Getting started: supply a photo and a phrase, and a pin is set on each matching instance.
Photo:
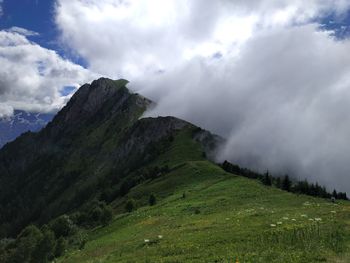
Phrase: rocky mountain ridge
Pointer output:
(97, 137)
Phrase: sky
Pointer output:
(271, 76)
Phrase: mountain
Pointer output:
(102, 184)
(20, 122)
(96, 140)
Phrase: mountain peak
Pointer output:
(91, 97)
(109, 83)
(97, 101)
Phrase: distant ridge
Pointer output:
(20, 122)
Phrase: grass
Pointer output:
(222, 217)
(204, 214)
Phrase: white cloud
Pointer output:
(22, 31)
(5, 110)
(31, 77)
(260, 73)
(132, 38)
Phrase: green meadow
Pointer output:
(204, 214)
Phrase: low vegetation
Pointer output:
(209, 215)
(284, 183)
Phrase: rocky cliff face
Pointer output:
(97, 139)
(102, 99)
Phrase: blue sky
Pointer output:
(340, 25)
(37, 16)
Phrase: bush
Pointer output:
(25, 244)
(62, 226)
(45, 249)
(130, 205)
(96, 214)
(61, 247)
(152, 200)
(99, 213)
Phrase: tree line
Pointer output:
(43, 244)
(284, 182)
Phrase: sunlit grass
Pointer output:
(222, 217)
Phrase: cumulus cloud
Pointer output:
(31, 77)
(261, 73)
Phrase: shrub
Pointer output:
(130, 205)
(61, 246)
(62, 226)
(152, 200)
(95, 214)
(45, 249)
(25, 244)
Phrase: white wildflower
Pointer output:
(285, 218)
(303, 215)
(160, 236)
(318, 219)
(146, 240)
(311, 219)
(293, 219)
(279, 223)
(333, 212)
(272, 225)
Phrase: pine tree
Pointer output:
(266, 180)
(286, 184)
(335, 194)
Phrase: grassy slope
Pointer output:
(222, 217)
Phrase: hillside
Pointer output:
(221, 218)
(89, 149)
(102, 184)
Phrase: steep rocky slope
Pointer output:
(93, 143)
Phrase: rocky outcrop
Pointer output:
(93, 103)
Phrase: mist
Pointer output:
(282, 105)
